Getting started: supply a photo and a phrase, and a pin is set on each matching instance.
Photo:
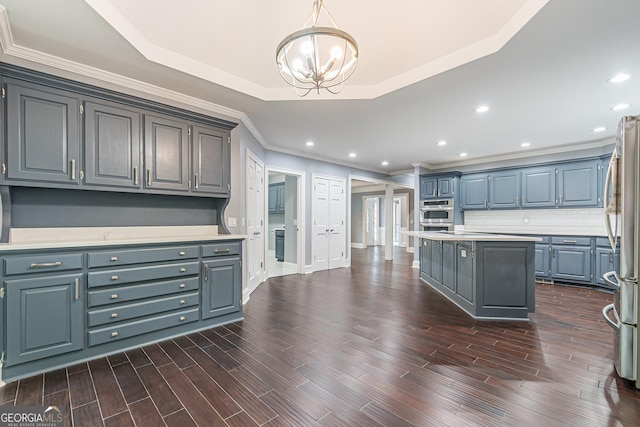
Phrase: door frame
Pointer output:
(302, 215)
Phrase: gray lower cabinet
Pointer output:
(112, 145)
(606, 259)
(425, 257)
(43, 138)
(62, 306)
(571, 258)
(221, 289)
(44, 317)
(487, 279)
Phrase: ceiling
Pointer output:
(540, 65)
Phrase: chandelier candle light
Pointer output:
(315, 58)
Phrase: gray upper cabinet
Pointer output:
(112, 145)
(539, 187)
(437, 187)
(42, 126)
(474, 191)
(166, 156)
(45, 317)
(504, 190)
(445, 187)
(578, 184)
(210, 160)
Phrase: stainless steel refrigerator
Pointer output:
(622, 212)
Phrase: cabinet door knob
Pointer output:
(114, 315)
(182, 318)
(114, 277)
(182, 302)
(114, 258)
(182, 253)
(114, 334)
(114, 296)
(182, 270)
(182, 286)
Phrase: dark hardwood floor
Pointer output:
(368, 345)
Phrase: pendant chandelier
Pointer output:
(315, 58)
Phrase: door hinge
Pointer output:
(1, 292)
(81, 109)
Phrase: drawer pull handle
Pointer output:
(114, 277)
(46, 264)
(114, 315)
(182, 318)
(77, 281)
(114, 258)
(114, 296)
(114, 334)
(182, 253)
(182, 286)
(206, 272)
(182, 270)
(222, 251)
(182, 302)
(569, 241)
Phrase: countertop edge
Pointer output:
(478, 237)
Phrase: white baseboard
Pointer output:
(245, 296)
(357, 245)
(416, 264)
(308, 269)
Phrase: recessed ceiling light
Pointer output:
(385, 163)
(619, 78)
(352, 154)
(620, 107)
(599, 129)
(525, 144)
(482, 109)
(309, 144)
(442, 143)
(463, 154)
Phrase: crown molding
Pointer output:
(11, 49)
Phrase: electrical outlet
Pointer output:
(232, 222)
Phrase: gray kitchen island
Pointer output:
(490, 276)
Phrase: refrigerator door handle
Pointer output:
(605, 313)
(609, 179)
(607, 278)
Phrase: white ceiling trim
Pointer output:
(169, 58)
(11, 49)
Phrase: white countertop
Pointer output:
(468, 236)
(59, 238)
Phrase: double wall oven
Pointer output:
(437, 215)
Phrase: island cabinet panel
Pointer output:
(166, 157)
(449, 265)
(464, 271)
(44, 317)
(539, 187)
(43, 141)
(112, 145)
(487, 279)
(211, 160)
(425, 257)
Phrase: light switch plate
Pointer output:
(232, 222)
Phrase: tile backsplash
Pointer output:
(579, 222)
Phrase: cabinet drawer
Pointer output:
(221, 249)
(139, 274)
(139, 256)
(42, 263)
(142, 326)
(136, 292)
(122, 312)
(575, 241)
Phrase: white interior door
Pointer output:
(328, 212)
(255, 222)
(336, 222)
(371, 221)
(321, 227)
